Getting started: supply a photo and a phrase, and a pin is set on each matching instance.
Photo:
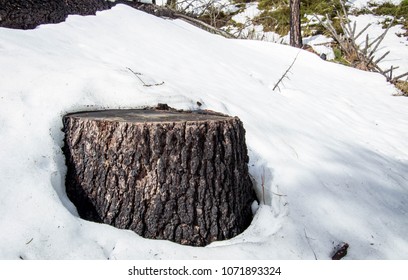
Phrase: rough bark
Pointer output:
(28, 14)
(295, 28)
(163, 174)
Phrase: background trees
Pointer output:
(295, 30)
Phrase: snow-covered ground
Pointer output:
(249, 30)
(331, 142)
(360, 4)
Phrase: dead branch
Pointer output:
(140, 79)
(278, 194)
(394, 80)
(382, 57)
(345, 13)
(362, 31)
(381, 38)
(285, 73)
(391, 69)
(360, 57)
(332, 30)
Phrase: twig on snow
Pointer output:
(144, 84)
(29, 241)
(285, 73)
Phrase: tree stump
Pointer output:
(28, 14)
(165, 174)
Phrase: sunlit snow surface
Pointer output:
(360, 4)
(331, 142)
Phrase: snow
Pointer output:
(251, 10)
(320, 45)
(361, 4)
(249, 29)
(331, 143)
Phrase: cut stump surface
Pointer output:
(179, 176)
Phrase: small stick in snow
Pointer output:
(278, 194)
(30, 241)
(144, 84)
(286, 73)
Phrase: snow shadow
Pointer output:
(57, 178)
(267, 191)
(356, 195)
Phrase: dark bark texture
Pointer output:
(295, 27)
(28, 14)
(168, 175)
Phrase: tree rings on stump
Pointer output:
(165, 174)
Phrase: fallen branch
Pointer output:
(286, 73)
(382, 57)
(361, 56)
(29, 241)
(362, 31)
(381, 38)
(394, 80)
(390, 70)
(278, 194)
(140, 79)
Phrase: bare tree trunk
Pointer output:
(163, 174)
(295, 29)
(171, 4)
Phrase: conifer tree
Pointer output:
(295, 30)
